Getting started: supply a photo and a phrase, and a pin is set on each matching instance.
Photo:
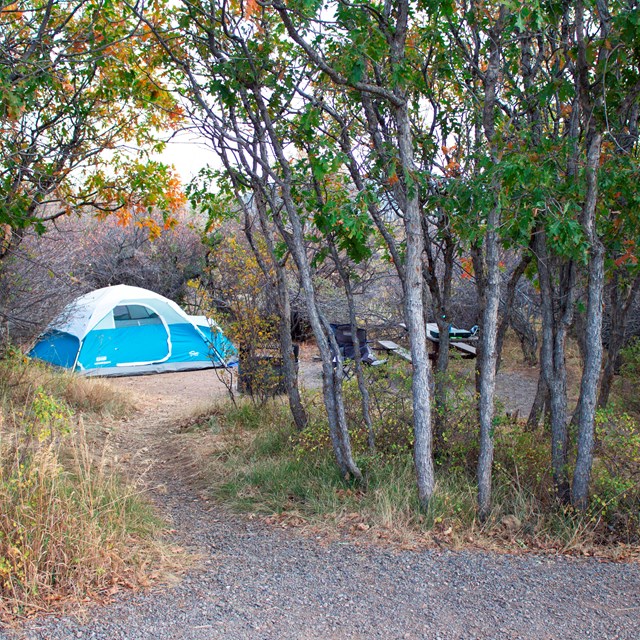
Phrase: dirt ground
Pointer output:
(186, 389)
(190, 390)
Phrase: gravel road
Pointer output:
(259, 581)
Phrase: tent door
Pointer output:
(139, 336)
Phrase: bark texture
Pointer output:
(593, 336)
(491, 299)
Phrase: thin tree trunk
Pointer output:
(488, 366)
(279, 289)
(289, 364)
(332, 376)
(481, 287)
(593, 337)
(414, 318)
(357, 356)
(527, 336)
(441, 303)
(619, 317)
(552, 359)
(508, 304)
(488, 352)
(539, 403)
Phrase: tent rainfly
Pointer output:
(123, 331)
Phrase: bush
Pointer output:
(267, 467)
(616, 476)
(630, 375)
(458, 447)
(391, 410)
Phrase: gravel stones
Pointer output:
(260, 582)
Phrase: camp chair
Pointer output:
(344, 338)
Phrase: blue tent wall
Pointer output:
(58, 348)
(219, 345)
(188, 345)
(105, 349)
(112, 347)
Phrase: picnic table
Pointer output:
(458, 339)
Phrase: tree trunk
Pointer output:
(441, 303)
(414, 318)
(280, 290)
(357, 356)
(527, 336)
(290, 366)
(488, 365)
(283, 305)
(593, 337)
(590, 378)
(332, 376)
(488, 353)
(508, 305)
(539, 404)
(552, 358)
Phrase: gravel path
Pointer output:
(258, 581)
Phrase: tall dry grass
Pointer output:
(69, 527)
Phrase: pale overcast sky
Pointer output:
(188, 154)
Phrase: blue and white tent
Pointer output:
(123, 331)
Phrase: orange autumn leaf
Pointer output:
(251, 7)
(123, 217)
(629, 256)
(152, 226)
(467, 268)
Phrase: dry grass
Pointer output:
(69, 528)
(19, 378)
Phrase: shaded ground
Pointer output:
(259, 581)
(517, 389)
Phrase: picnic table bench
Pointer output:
(392, 347)
(468, 351)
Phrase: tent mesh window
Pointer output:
(134, 315)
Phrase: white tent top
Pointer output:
(86, 312)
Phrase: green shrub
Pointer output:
(616, 475)
(390, 408)
(630, 375)
(458, 445)
(269, 468)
